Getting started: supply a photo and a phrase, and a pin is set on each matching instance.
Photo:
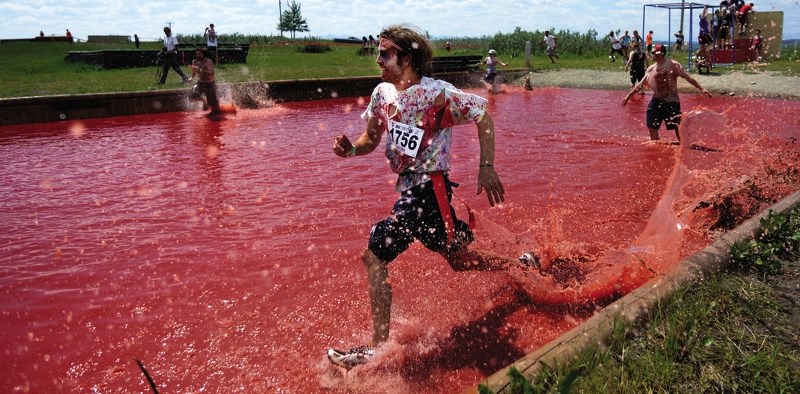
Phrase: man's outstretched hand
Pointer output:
(489, 181)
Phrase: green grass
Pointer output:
(35, 69)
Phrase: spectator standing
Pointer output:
(662, 78)
(625, 40)
(724, 28)
(371, 43)
(364, 46)
(550, 42)
(637, 63)
(170, 53)
(758, 43)
(717, 33)
(69, 36)
(448, 46)
(211, 41)
(648, 39)
(678, 40)
(136, 40)
(637, 39)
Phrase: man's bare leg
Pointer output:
(380, 295)
(654, 134)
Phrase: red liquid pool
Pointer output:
(225, 255)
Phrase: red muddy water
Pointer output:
(225, 255)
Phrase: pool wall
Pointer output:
(40, 109)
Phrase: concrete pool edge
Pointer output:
(40, 109)
(634, 306)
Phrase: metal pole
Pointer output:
(689, 44)
(669, 31)
(680, 29)
(280, 17)
(644, 16)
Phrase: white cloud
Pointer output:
(327, 18)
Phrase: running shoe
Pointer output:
(530, 260)
(351, 358)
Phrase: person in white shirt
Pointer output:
(170, 53)
(550, 41)
(211, 41)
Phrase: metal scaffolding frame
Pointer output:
(678, 6)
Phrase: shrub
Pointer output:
(777, 240)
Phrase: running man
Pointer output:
(550, 41)
(417, 114)
(662, 78)
(203, 69)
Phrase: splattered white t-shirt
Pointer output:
(411, 105)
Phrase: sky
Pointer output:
(341, 19)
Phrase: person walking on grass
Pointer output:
(170, 53)
(417, 113)
(662, 78)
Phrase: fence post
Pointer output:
(528, 54)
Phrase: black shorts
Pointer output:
(636, 75)
(416, 215)
(668, 112)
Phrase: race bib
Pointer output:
(406, 139)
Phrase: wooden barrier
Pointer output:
(124, 58)
(456, 63)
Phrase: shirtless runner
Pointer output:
(662, 78)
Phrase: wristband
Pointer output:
(352, 151)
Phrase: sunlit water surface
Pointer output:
(225, 255)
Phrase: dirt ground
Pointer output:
(720, 81)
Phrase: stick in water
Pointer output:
(147, 375)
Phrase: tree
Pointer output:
(292, 20)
